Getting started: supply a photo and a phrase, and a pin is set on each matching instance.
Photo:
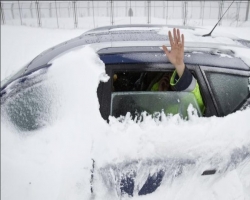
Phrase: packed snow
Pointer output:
(55, 162)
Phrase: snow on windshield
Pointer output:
(56, 162)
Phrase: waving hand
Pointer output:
(176, 55)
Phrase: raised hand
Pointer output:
(176, 55)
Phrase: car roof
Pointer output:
(138, 27)
(213, 59)
(118, 38)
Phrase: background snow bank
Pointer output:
(55, 162)
(19, 45)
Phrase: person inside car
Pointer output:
(181, 79)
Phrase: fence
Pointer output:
(91, 14)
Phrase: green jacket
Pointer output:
(185, 83)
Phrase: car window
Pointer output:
(229, 90)
(152, 103)
(28, 103)
(138, 81)
(136, 92)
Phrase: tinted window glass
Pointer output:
(139, 81)
(230, 91)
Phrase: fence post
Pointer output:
(20, 14)
(135, 9)
(111, 14)
(88, 9)
(126, 8)
(59, 13)
(93, 13)
(184, 13)
(237, 12)
(130, 10)
(69, 10)
(154, 8)
(149, 12)
(31, 13)
(56, 15)
(38, 14)
(167, 14)
(247, 12)
(220, 11)
(12, 12)
(107, 8)
(50, 10)
(163, 9)
(210, 10)
(202, 11)
(75, 14)
(2, 13)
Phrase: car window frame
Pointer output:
(210, 109)
(213, 69)
(105, 89)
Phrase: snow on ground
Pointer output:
(55, 162)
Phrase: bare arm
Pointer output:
(176, 55)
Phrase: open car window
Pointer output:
(137, 92)
(138, 81)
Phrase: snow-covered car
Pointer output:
(133, 57)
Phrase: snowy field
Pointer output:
(55, 162)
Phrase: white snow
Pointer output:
(55, 162)
(19, 44)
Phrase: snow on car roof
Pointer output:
(121, 38)
(136, 27)
(136, 38)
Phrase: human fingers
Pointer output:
(178, 36)
(175, 37)
(182, 40)
(165, 50)
(170, 38)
